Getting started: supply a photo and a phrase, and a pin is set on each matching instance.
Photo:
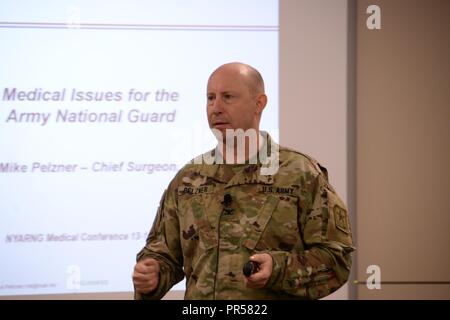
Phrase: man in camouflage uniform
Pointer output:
(213, 218)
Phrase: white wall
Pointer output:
(313, 86)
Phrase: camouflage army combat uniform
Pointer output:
(294, 215)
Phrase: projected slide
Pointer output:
(101, 103)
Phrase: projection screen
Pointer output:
(102, 102)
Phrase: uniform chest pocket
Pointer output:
(196, 218)
(276, 227)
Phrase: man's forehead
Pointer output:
(224, 86)
(224, 89)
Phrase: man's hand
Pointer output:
(259, 279)
(146, 275)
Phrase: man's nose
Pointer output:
(217, 106)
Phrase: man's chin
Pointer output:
(220, 130)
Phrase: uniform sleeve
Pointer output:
(324, 265)
(163, 244)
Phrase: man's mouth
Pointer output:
(220, 124)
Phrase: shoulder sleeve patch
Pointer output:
(341, 219)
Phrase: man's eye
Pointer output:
(210, 98)
(227, 96)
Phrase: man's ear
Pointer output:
(261, 102)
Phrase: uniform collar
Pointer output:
(246, 173)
